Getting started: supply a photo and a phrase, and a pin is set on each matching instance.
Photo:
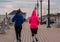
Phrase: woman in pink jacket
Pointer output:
(34, 22)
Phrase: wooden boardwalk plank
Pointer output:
(43, 34)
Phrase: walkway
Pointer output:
(44, 34)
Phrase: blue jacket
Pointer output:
(18, 19)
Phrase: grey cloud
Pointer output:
(29, 0)
(5, 1)
(28, 4)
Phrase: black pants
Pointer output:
(18, 31)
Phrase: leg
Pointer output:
(36, 34)
(20, 28)
(20, 31)
(33, 35)
(36, 37)
(16, 31)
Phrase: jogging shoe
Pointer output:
(36, 39)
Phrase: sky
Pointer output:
(28, 6)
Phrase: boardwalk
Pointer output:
(44, 34)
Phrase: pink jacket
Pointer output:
(34, 20)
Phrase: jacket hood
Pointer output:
(34, 13)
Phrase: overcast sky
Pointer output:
(27, 6)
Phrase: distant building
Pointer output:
(54, 17)
(58, 17)
(11, 14)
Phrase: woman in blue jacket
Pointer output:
(18, 19)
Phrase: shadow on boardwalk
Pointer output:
(44, 34)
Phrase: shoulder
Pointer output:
(19, 14)
(15, 15)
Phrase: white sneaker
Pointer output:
(34, 41)
(18, 41)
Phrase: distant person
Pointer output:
(18, 19)
(34, 22)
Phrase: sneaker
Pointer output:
(36, 39)
(19, 39)
(33, 41)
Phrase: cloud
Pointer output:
(24, 2)
(4, 1)
(9, 6)
(27, 5)
(46, 3)
(17, 4)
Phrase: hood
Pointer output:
(34, 13)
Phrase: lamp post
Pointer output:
(48, 26)
(6, 15)
(41, 11)
(37, 8)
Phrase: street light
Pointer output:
(6, 15)
(37, 8)
(48, 26)
(41, 11)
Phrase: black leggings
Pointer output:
(34, 31)
(18, 31)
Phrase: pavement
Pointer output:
(44, 34)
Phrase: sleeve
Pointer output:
(14, 18)
(38, 20)
(29, 20)
(22, 19)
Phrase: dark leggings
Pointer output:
(18, 31)
(34, 31)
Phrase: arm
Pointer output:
(14, 18)
(29, 20)
(38, 21)
(22, 19)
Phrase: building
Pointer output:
(53, 17)
(11, 14)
